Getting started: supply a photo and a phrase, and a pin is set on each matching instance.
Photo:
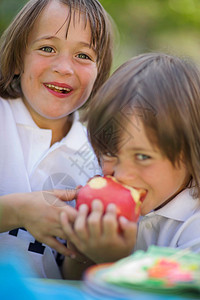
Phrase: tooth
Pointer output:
(58, 88)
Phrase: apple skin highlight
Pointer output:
(108, 190)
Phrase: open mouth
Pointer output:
(58, 89)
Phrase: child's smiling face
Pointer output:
(141, 165)
(59, 72)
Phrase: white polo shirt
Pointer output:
(176, 225)
(28, 163)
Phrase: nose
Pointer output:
(125, 174)
(107, 165)
(63, 65)
(107, 168)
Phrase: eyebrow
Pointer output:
(53, 37)
(140, 149)
(46, 37)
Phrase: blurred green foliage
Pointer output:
(171, 26)
(8, 9)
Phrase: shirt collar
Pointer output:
(21, 113)
(181, 207)
(75, 139)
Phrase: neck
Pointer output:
(59, 127)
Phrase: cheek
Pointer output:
(159, 186)
(88, 78)
(34, 66)
(86, 82)
(149, 175)
(165, 182)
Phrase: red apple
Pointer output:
(109, 190)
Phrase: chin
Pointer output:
(54, 116)
(144, 211)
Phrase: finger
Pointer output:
(78, 187)
(70, 234)
(77, 254)
(80, 224)
(94, 219)
(128, 228)
(58, 198)
(71, 212)
(60, 233)
(65, 223)
(58, 246)
(66, 195)
(66, 226)
(111, 208)
(110, 222)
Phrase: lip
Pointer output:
(59, 85)
(143, 194)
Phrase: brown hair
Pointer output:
(164, 92)
(14, 40)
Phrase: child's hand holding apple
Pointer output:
(109, 190)
(102, 233)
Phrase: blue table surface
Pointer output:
(66, 289)
(17, 283)
(20, 288)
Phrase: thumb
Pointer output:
(66, 195)
(128, 228)
(78, 187)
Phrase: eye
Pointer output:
(108, 156)
(83, 56)
(47, 49)
(142, 157)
